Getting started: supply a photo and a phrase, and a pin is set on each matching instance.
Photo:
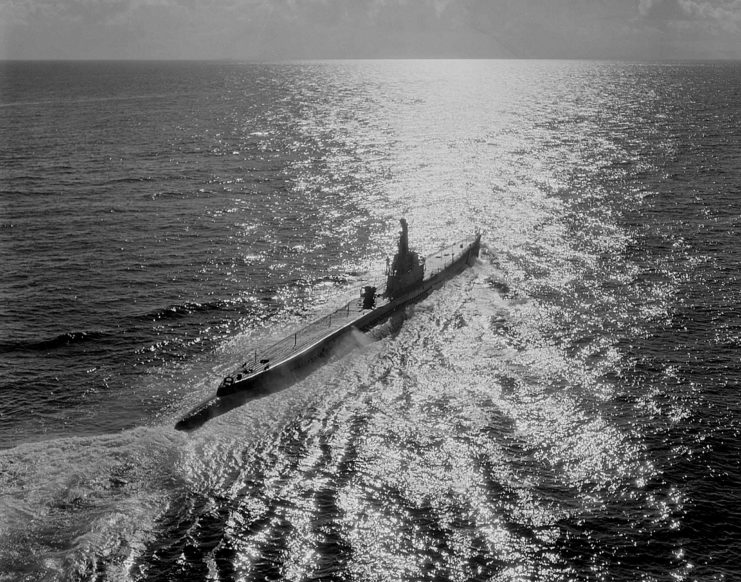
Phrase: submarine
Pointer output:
(408, 279)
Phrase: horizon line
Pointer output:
(325, 59)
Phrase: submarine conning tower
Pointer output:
(406, 270)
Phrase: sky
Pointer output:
(346, 29)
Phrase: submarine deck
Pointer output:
(319, 329)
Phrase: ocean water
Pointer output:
(567, 409)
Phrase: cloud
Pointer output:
(726, 15)
(721, 14)
(680, 29)
(662, 10)
(379, 29)
(275, 29)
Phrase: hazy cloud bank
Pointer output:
(280, 29)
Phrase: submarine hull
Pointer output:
(304, 359)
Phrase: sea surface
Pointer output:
(567, 409)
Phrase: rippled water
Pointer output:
(567, 409)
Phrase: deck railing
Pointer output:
(317, 329)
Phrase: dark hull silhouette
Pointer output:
(298, 355)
